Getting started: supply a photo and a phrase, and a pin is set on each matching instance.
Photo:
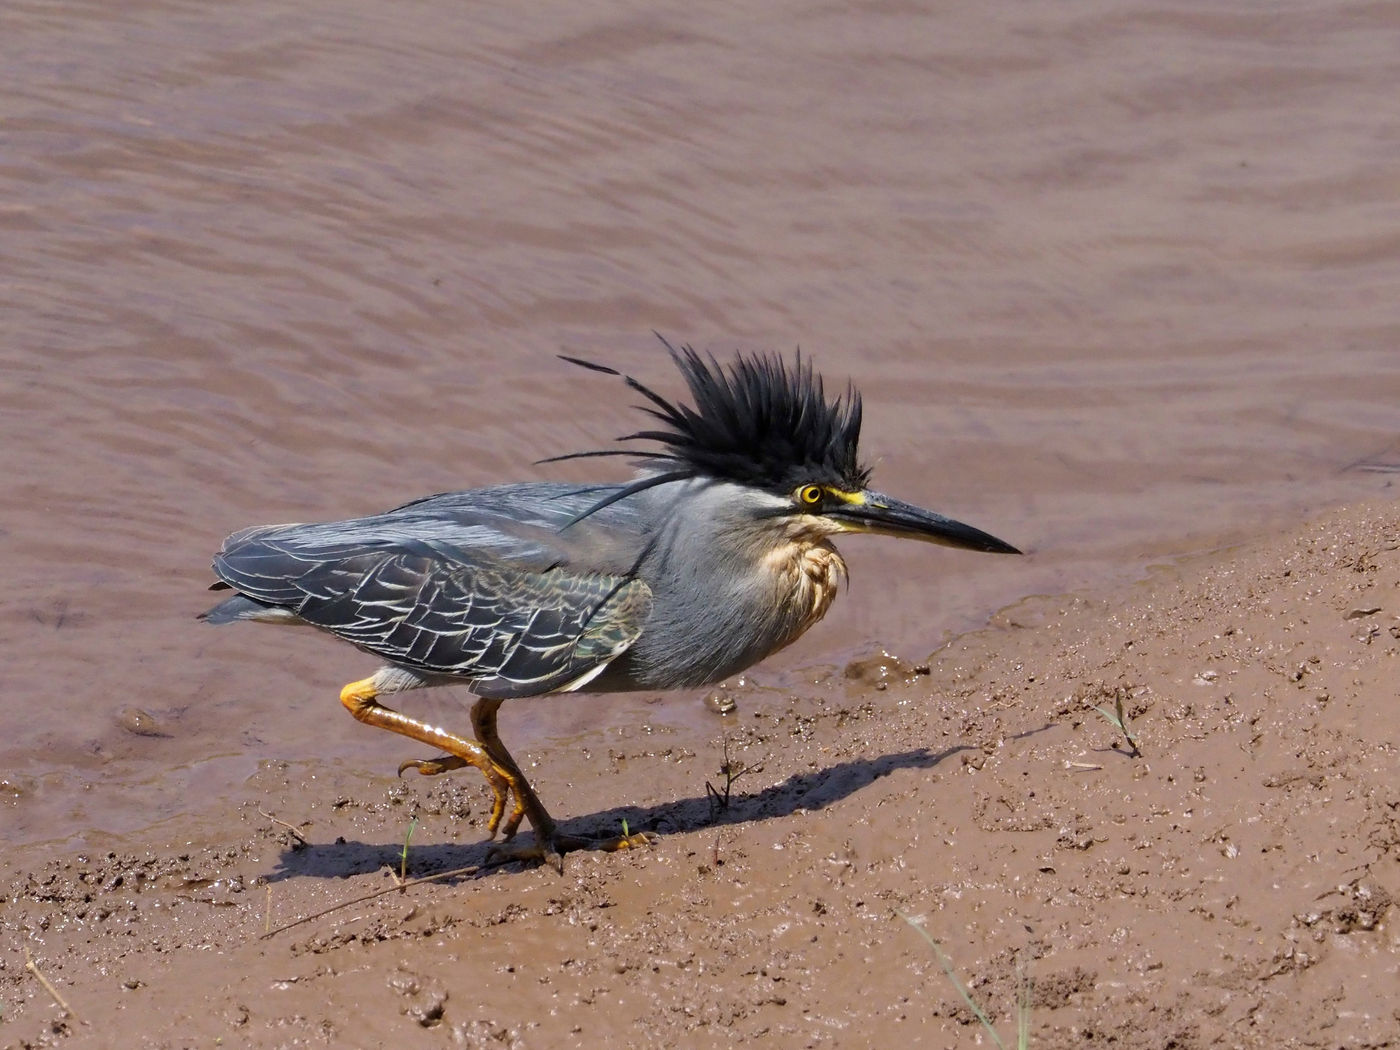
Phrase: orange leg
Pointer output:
(527, 803)
(360, 699)
(549, 845)
(489, 755)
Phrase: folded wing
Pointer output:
(509, 630)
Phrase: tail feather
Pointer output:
(241, 607)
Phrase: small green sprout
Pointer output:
(1118, 718)
(403, 859)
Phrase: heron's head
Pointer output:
(782, 451)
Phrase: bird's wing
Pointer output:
(509, 631)
(519, 525)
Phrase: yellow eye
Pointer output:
(810, 494)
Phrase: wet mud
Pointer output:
(1225, 872)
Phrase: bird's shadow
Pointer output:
(801, 791)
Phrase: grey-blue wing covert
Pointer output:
(509, 631)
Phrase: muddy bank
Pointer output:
(1232, 883)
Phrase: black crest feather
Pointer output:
(759, 421)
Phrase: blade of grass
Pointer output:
(947, 965)
(1123, 721)
(403, 860)
(1023, 1010)
(1120, 721)
(1113, 719)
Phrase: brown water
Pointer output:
(1118, 281)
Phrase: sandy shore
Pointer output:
(1231, 884)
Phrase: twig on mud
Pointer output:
(48, 986)
(295, 833)
(1086, 766)
(470, 869)
(267, 921)
(719, 801)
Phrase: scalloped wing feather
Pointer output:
(508, 631)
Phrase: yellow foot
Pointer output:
(550, 849)
(498, 781)
(431, 767)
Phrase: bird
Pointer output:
(715, 554)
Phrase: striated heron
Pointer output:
(716, 554)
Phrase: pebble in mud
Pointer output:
(880, 670)
(426, 1002)
(720, 702)
(140, 723)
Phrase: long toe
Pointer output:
(431, 767)
(636, 841)
(500, 788)
(550, 849)
(535, 851)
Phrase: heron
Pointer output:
(715, 554)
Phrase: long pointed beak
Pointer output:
(876, 512)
